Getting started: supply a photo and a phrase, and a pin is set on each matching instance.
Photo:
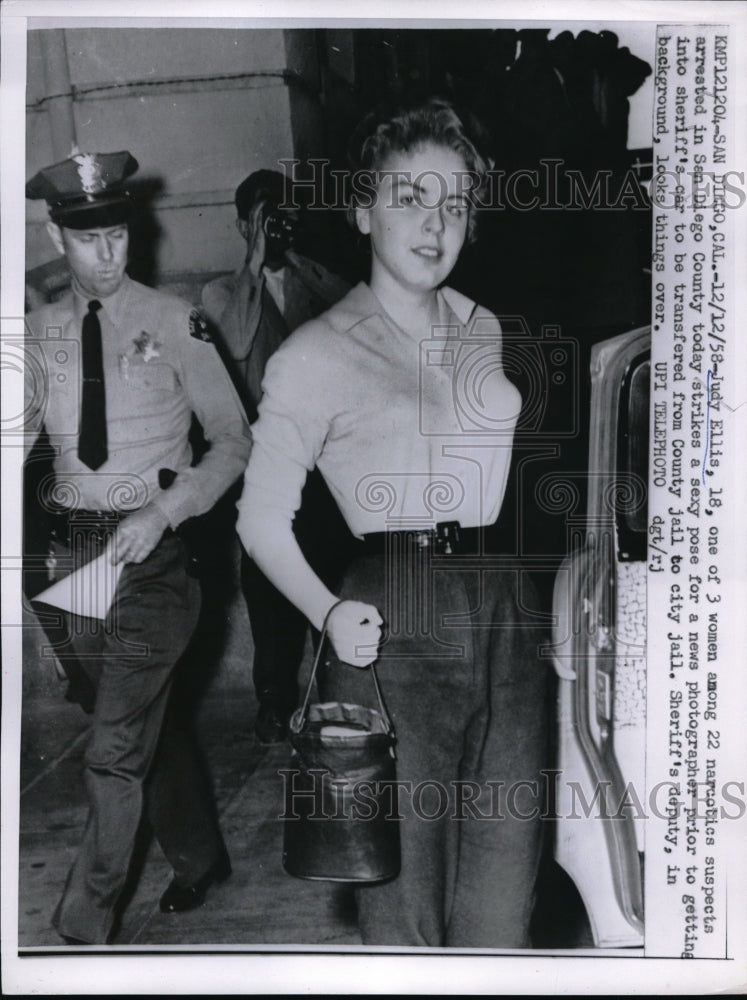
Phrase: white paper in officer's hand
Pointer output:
(89, 591)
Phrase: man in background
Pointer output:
(254, 310)
(115, 373)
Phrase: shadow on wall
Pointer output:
(145, 232)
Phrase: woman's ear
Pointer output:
(363, 220)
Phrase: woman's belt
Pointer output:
(446, 538)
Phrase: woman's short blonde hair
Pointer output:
(402, 129)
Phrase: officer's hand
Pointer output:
(354, 630)
(138, 535)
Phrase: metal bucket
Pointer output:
(340, 820)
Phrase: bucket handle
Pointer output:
(318, 656)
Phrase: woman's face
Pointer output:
(418, 222)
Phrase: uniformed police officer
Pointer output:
(254, 310)
(116, 371)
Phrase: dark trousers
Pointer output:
(279, 634)
(463, 682)
(140, 756)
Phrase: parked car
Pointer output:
(599, 652)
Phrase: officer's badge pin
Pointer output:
(198, 328)
(146, 346)
(89, 172)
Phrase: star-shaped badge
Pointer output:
(147, 346)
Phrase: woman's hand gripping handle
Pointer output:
(354, 629)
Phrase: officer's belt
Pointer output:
(95, 526)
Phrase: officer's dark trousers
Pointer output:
(461, 677)
(130, 659)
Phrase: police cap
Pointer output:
(86, 191)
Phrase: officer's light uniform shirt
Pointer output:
(159, 368)
(406, 433)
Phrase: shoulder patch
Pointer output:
(198, 327)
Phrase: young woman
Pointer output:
(398, 395)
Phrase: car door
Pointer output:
(599, 652)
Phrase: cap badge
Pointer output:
(89, 171)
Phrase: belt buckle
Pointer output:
(424, 538)
(447, 537)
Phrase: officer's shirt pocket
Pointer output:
(149, 405)
(153, 377)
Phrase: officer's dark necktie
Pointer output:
(92, 447)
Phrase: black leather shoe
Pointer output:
(180, 898)
(270, 726)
